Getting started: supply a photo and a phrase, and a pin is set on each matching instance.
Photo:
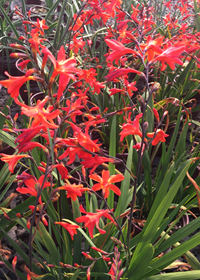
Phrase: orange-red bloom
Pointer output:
(40, 25)
(92, 219)
(95, 161)
(152, 47)
(160, 136)
(121, 72)
(28, 134)
(33, 185)
(14, 83)
(73, 190)
(131, 128)
(40, 115)
(105, 183)
(170, 56)
(63, 67)
(12, 160)
(69, 227)
(118, 49)
(31, 145)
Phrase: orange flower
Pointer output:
(12, 160)
(14, 83)
(121, 72)
(170, 56)
(32, 184)
(131, 128)
(73, 190)
(152, 47)
(92, 219)
(40, 25)
(95, 161)
(40, 115)
(69, 227)
(105, 183)
(63, 67)
(118, 49)
(31, 145)
(28, 134)
(160, 136)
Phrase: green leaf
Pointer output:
(197, 18)
(186, 275)
(166, 157)
(147, 174)
(154, 219)
(9, 22)
(47, 276)
(181, 145)
(21, 208)
(77, 237)
(179, 235)
(7, 138)
(49, 243)
(76, 274)
(159, 264)
(112, 152)
(58, 33)
(123, 199)
(162, 190)
(139, 263)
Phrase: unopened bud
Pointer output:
(145, 126)
(18, 47)
(141, 100)
(44, 221)
(18, 55)
(14, 262)
(28, 224)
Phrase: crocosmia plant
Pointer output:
(111, 78)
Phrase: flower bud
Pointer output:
(18, 55)
(14, 262)
(18, 47)
(145, 126)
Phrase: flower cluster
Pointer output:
(61, 126)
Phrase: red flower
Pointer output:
(28, 134)
(92, 219)
(131, 128)
(152, 47)
(14, 83)
(12, 160)
(63, 67)
(77, 44)
(40, 115)
(121, 72)
(31, 145)
(35, 42)
(72, 109)
(105, 183)
(62, 170)
(69, 227)
(14, 262)
(170, 56)
(94, 162)
(40, 25)
(32, 185)
(160, 136)
(118, 49)
(73, 190)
